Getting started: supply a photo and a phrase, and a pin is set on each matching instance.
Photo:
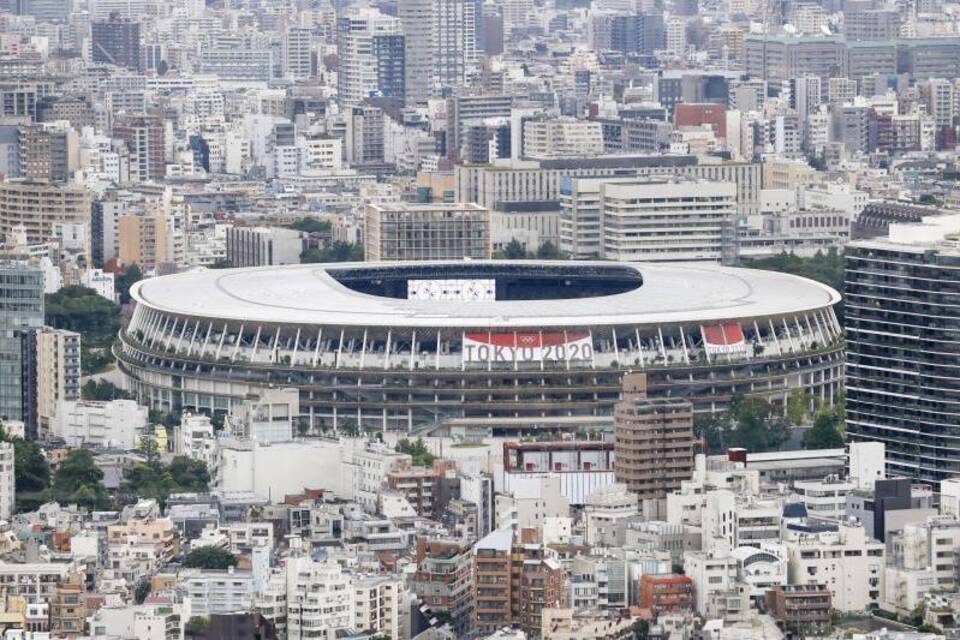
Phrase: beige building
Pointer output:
(562, 137)
(7, 481)
(653, 440)
(403, 231)
(142, 240)
(58, 372)
(788, 174)
(44, 209)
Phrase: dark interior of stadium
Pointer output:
(513, 281)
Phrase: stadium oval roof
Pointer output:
(671, 293)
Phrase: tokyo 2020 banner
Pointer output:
(556, 346)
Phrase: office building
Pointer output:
(565, 137)
(263, 246)
(365, 138)
(441, 46)
(629, 33)
(648, 219)
(297, 47)
(899, 293)
(21, 311)
(426, 232)
(116, 42)
(653, 440)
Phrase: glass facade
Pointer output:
(21, 309)
(903, 356)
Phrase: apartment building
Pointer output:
(263, 246)
(142, 240)
(57, 372)
(114, 423)
(653, 441)
(563, 137)
(444, 580)
(42, 209)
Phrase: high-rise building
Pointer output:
(365, 135)
(370, 56)
(43, 10)
(21, 311)
(116, 42)
(901, 366)
(297, 53)
(145, 140)
(57, 372)
(653, 440)
(426, 232)
(441, 44)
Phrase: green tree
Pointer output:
(337, 252)
(79, 481)
(126, 279)
(81, 309)
(30, 470)
(825, 433)
(102, 390)
(210, 558)
(513, 251)
(799, 405)
(417, 450)
(348, 427)
(221, 263)
(827, 268)
(311, 225)
(549, 251)
(750, 422)
(154, 480)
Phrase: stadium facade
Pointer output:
(477, 345)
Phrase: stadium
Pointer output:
(477, 346)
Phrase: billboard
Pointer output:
(724, 338)
(554, 346)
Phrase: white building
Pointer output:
(824, 499)
(630, 219)
(101, 282)
(100, 424)
(267, 417)
(195, 439)
(562, 137)
(7, 480)
(605, 514)
(847, 561)
(320, 599)
(376, 604)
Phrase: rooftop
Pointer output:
(310, 294)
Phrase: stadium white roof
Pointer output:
(306, 294)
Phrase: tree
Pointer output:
(154, 480)
(95, 318)
(30, 470)
(417, 450)
(750, 422)
(126, 279)
(79, 481)
(827, 268)
(513, 251)
(210, 558)
(221, 263)
(348, 427)
(103, 390)
(549, 251)
(798, 406)
(825, 433)
(311, 225)
(337, 252)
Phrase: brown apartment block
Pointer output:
(653, 440)
(800, 608)
(444, 580)
(514, 581)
